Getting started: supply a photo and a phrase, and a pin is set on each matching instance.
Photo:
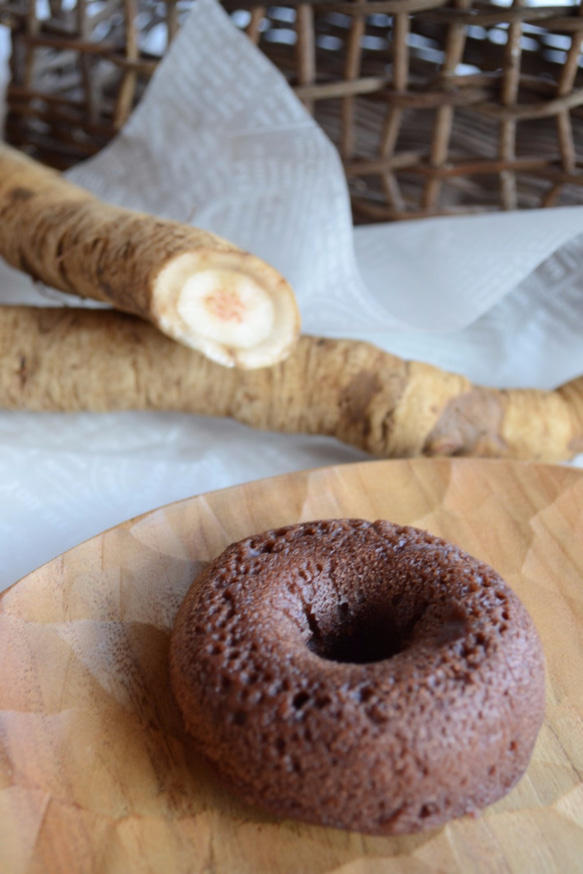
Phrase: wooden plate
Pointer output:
(94, 772)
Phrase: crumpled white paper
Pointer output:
(221, 142)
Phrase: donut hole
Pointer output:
(375, 629)
(362, 639)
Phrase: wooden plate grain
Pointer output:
(95, 774)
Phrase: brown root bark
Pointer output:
(71, 360)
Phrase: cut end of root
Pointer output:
(231, 306)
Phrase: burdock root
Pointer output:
(74, 359)
(194, 286)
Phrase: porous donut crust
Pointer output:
(363, 676)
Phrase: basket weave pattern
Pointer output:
(436, 107)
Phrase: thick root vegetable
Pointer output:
(71, 360)
(194, 286)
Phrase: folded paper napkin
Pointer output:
(221, 142)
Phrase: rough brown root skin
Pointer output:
(73, 359)
(166, 272)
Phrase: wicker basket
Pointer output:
(436, 107)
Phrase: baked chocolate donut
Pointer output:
(357, 675)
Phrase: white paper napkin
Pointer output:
(220, 141)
